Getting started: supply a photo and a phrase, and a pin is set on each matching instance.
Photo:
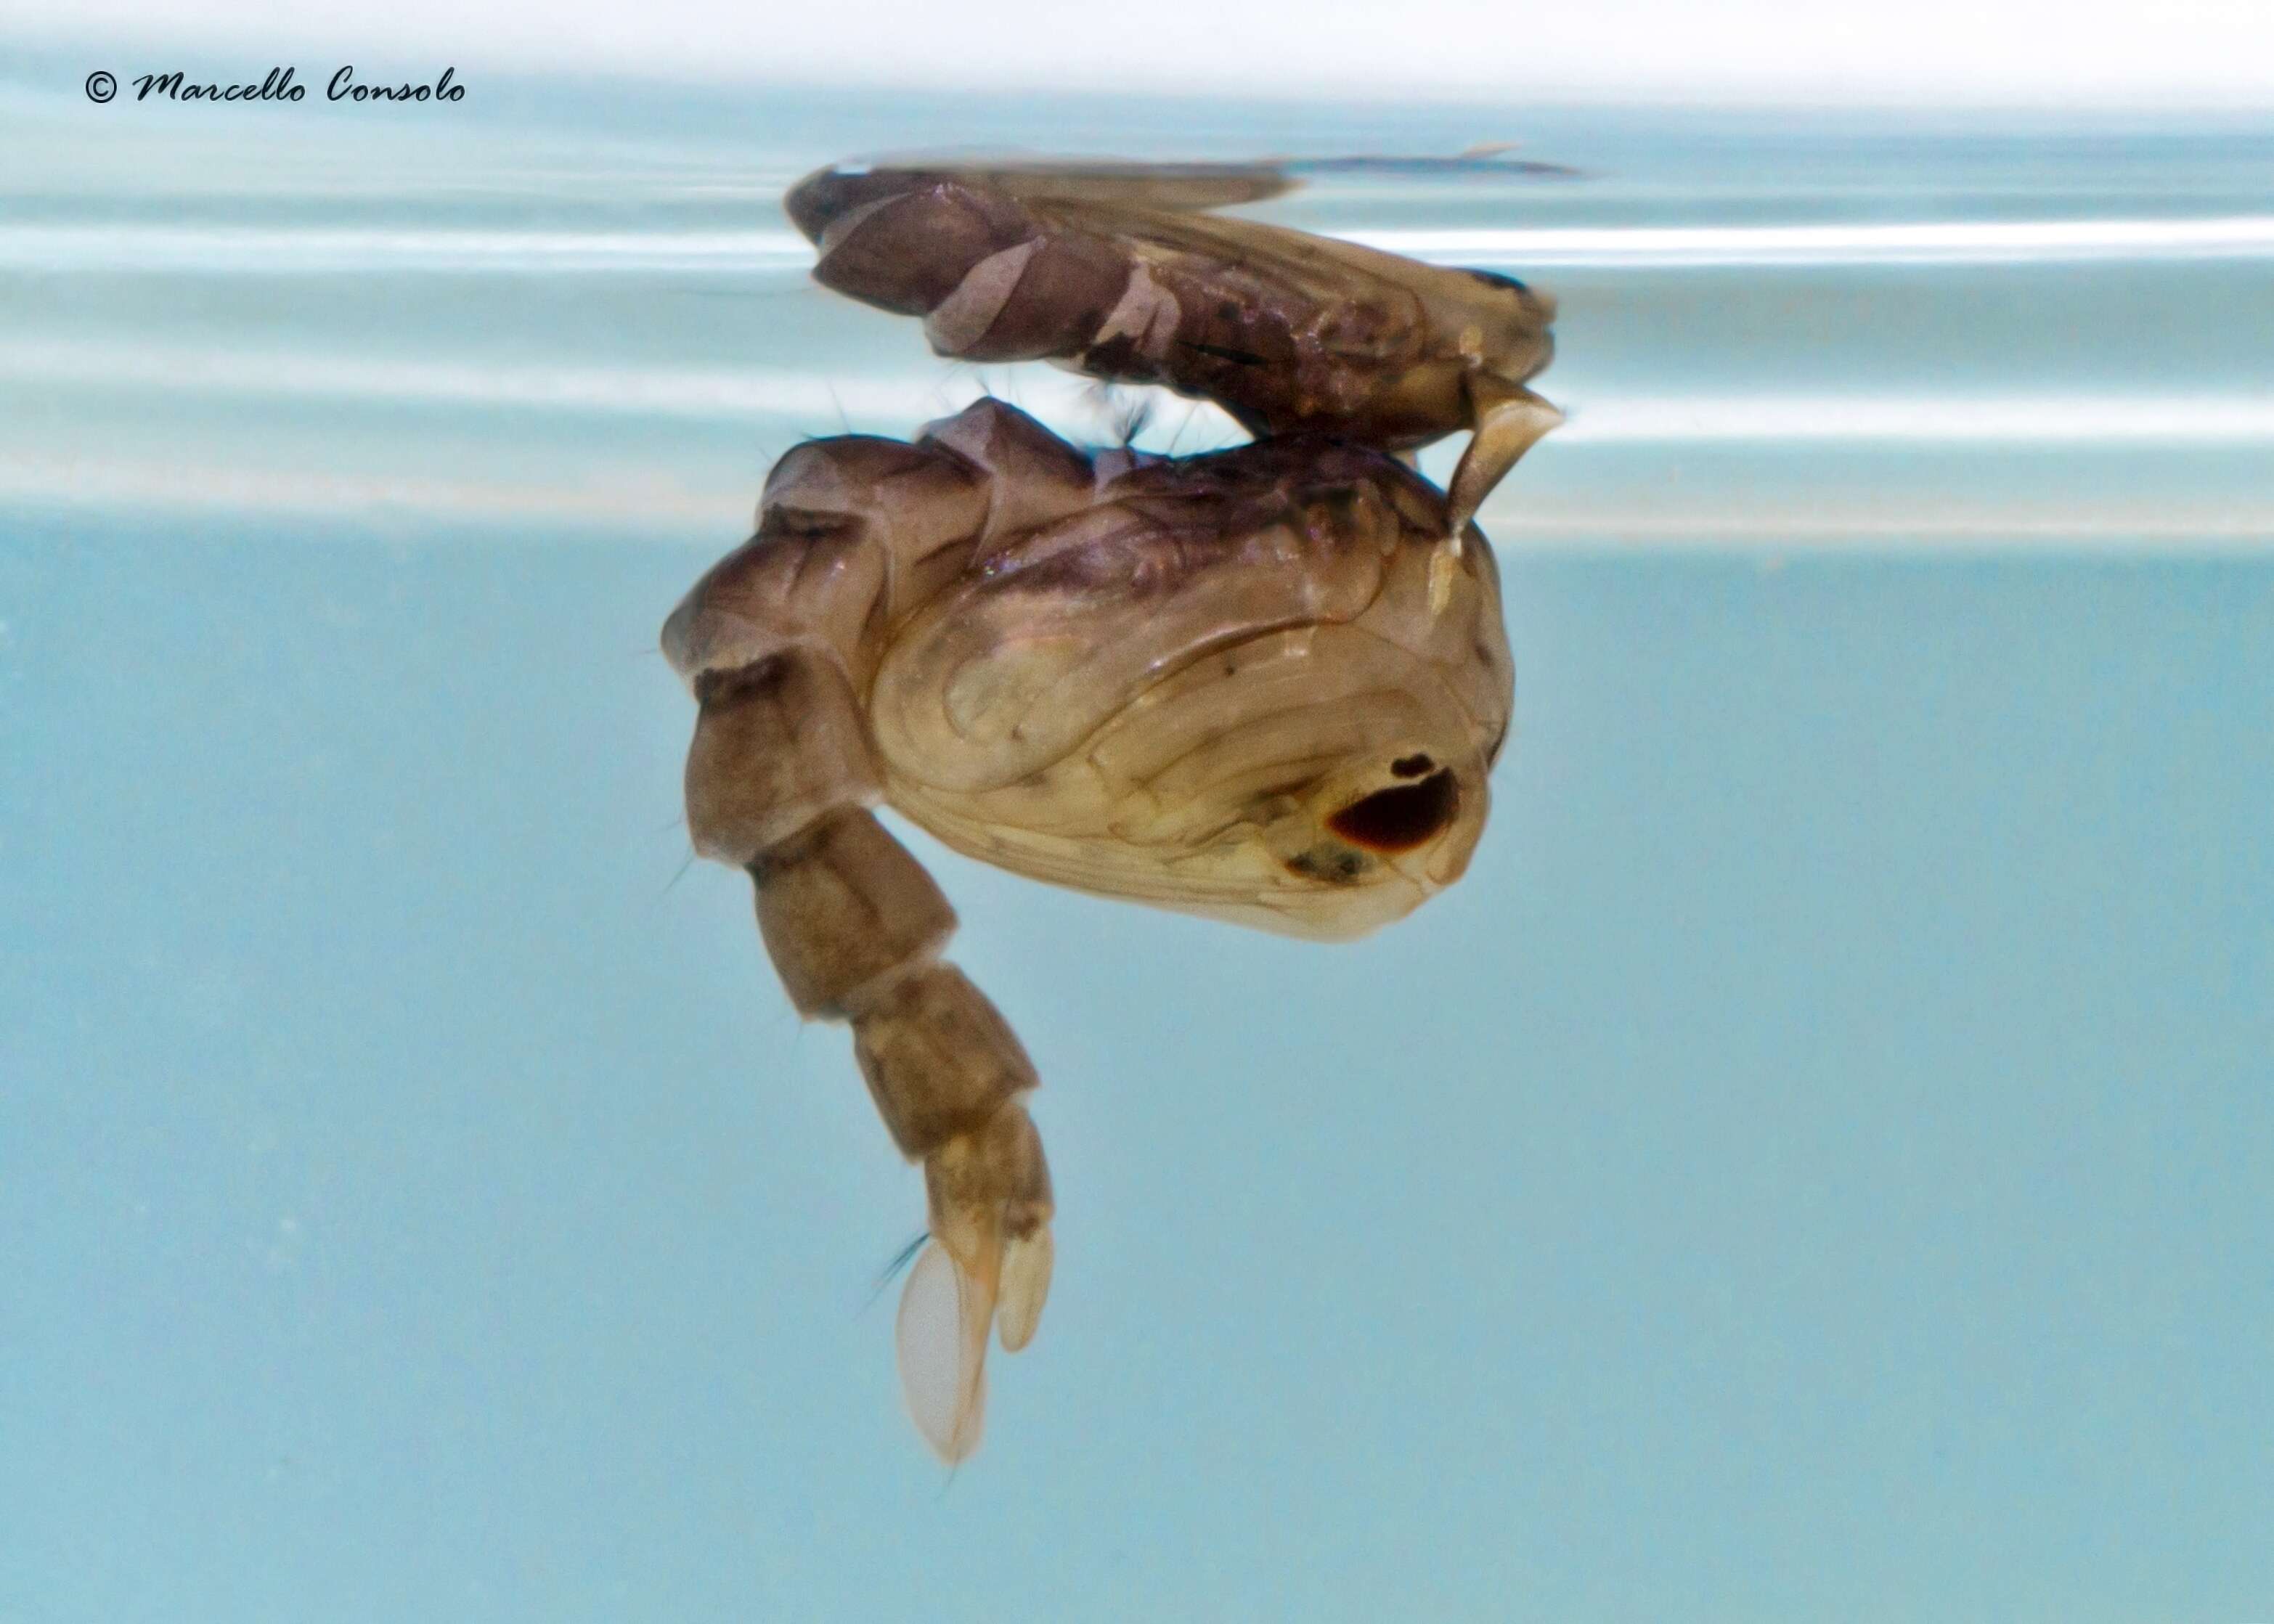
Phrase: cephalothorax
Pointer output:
(1262, 685)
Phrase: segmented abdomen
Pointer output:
(1137, 297)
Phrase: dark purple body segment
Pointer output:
(1120, 273)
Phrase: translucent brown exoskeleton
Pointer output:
(1121, 272)
(1256, 685)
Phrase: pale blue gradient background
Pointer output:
(1817, 1165)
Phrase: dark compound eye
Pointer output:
(1493, 279)
(1401, 817)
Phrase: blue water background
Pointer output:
(1819, 1163)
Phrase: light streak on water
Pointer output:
(235, 250)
